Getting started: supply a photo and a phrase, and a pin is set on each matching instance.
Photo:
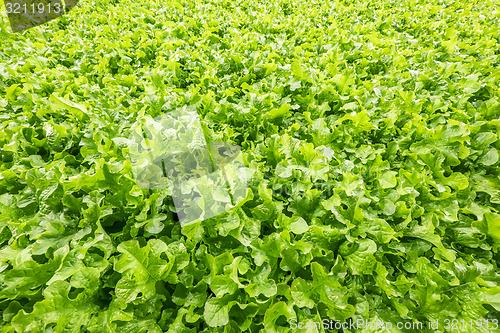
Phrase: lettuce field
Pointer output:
(371, 129)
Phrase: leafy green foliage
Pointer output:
(372, 128)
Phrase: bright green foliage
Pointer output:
(373, 129)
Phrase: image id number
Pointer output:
(16, 8)
(455, 324)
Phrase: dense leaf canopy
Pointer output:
(372, 126)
